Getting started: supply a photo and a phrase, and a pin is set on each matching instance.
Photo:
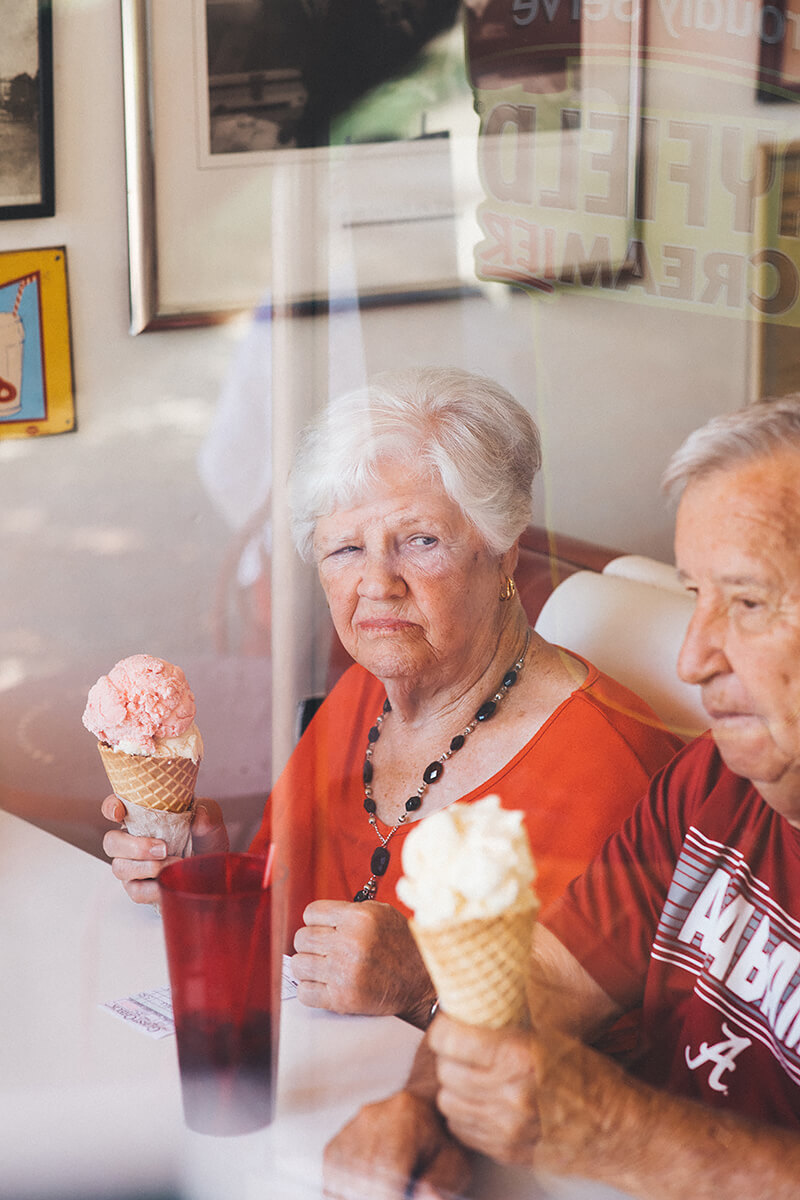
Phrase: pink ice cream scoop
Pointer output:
(141, 701)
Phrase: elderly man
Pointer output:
(691, 911)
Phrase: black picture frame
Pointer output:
(26, 109)
(775, 84)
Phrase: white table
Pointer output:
(90, 1107)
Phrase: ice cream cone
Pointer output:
(164, 784)
(158, 794)
(479, 967)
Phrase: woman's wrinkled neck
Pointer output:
(449, 696)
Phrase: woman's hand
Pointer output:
(361, 958)
(137, 861)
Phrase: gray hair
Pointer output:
(465, 429)
(732, 439)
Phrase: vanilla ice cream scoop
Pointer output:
(467, 862)
(468, 876)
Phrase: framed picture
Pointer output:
(775, 260)
(326, 151)
(266, 156)
(36, 393)
(26, 109)
(779, 51)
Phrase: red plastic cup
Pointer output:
(225, 989)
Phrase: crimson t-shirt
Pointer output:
(693, 911)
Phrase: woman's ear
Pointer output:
(509, 560)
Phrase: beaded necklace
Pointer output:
(379, 861)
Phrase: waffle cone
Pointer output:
(161, 784)
(479, 968)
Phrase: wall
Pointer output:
(110, 544)
(110, 541)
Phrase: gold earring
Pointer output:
(509, 589)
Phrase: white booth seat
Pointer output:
(633, 631)
(646, 570)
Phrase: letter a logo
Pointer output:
(722, 1054)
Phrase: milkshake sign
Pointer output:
(36, 394)
(24, 310)
(12, 339)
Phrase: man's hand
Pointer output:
(548, 1100)
(525, 1097)
(395, 1150)
(137, 861)
(487, 1088)
(361, 958)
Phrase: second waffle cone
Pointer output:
(479, 968)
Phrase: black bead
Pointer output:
(369, 804)
(387, 707)
(366, 774)
(433, 772)
(413, 803)
(509, 679)
(379, 861)
(373, 734)
(486, 710)
(457, 742)
(360, 897)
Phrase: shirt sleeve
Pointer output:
(607, 917)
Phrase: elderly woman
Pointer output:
(410, 497)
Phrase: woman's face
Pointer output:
(412, 588)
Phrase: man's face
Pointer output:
(737, 548)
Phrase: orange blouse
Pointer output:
(577, 779)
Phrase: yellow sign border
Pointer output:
(49, 264)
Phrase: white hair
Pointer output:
(732, 439)
(463, 429)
